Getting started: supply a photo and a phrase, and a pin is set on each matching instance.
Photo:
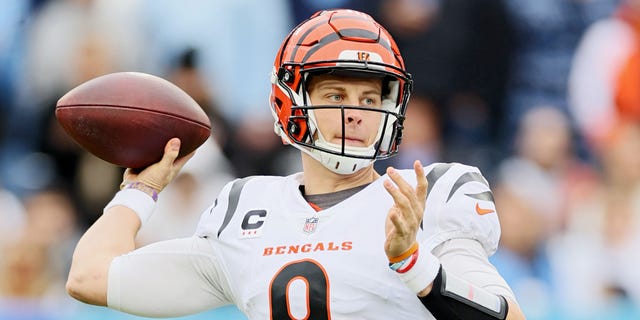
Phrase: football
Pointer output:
(126, 118)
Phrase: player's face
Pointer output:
(361, 126)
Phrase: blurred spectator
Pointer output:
(546, 34)
(458, 52)
(34, 264)
(421, 138)
(234, 41)
(11, 36)
(51, 222)
(522, 258)
(533, 190)
(11, 215)
(24, 270)
(605, 75)
(302, 10)
(545, 167)
(185, 72)
(13, 21)
(70, 42)
(24, 281)
(596, 258)
(61, 44)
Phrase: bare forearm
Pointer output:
(112, 235)
(515, 313)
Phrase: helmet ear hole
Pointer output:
(293, 128)
(297, 130)
(285, 75)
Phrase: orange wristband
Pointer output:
(404, 255)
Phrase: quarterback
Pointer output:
(335, 241)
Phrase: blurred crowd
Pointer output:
(542, 95)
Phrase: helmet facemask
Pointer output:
(342, 158)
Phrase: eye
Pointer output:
(334, 98)
(370, 102)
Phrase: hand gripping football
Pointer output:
(126, 118)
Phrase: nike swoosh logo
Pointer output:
(482, 211)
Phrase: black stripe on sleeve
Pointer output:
(487, 196)
(436, 173)
(464, 179)
(433, 176)
(234, 197)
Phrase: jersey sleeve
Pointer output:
(459, 204)
(167, 279)
(217, 217)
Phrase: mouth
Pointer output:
(350, 141)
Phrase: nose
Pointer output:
(352, 116)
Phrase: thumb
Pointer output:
(171, 151)
(160, 174)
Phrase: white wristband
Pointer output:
(422, 273)
(138, 201)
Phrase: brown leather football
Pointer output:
(126, 118)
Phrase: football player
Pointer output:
(336, 241)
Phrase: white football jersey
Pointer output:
(282, 259)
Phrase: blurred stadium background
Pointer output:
(541, 95)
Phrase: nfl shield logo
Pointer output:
(310, 225)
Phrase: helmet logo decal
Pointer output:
(360, 56)
(364, 56)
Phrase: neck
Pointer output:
(318, 179)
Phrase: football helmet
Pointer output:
(341, 42)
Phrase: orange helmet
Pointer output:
(342, 42)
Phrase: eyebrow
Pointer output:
(338, 87)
